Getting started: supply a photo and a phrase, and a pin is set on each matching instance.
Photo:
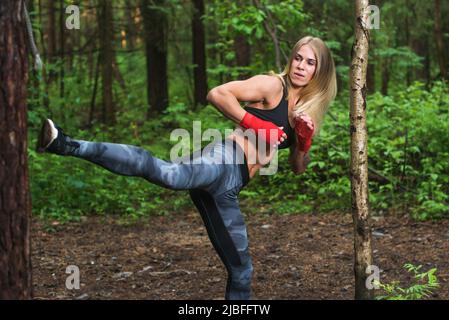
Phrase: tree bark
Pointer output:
(421, 48)
(155, 33)
(106, 31)
(385, 75)
(199, 54)
(61, 50)
(130, 26)
(408, 75)
(242, 54)
(15, 204)
(51, 31)
(94, 94)
(91, 31)
(34, 75)
(359, 154)
(439, 40)
(371, 78)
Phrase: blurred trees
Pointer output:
(146, 65)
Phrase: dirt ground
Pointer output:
(170, 257)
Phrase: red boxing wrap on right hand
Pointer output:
(304, 129)
(250, 121)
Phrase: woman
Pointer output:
(285, 111)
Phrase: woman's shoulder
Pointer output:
(272, 83)
(270, 78)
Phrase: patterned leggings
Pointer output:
(214, 179)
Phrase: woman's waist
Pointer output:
(255, 157)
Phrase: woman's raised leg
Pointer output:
(131, 160)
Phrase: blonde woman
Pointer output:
(283, 110)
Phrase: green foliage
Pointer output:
(408, 129)
(408, 139)
(426, 283)
(407, 145)
(251, 21)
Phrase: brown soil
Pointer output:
(170, 257)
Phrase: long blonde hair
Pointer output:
(317, 95)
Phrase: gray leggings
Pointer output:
(214, 179)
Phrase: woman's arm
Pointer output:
(298, 159)
(299, 156)
(226, 97)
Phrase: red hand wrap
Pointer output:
(250, 121)
(304, 129)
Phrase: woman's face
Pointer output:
(303, 66)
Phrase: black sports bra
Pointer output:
(279, 116)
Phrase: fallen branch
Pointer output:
(161, 273)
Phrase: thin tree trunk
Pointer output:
(371, 78)
(34, 74)
(93, 32)
(273, 34)
(130, 26)
(61, 48)
(199, 54)
(51, 31)
(371, 72)
(155, 33)
(439, 41)
(385, 75)
(94, 93)
(242, 54)
(15, 204)
(72, 43)
(359, 153)
(408, 75)
(106, 29)
(44, 49)
(420, 47)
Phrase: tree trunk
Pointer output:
(272, 31)
(130, 26)
(61, 50)
(439, 41)
(359, 154)
(15, 204)
(199, 54)
(420, 47)
(371, 78)
(374, 62)
(408, 75)
(35, 94)
(91, 31)
(155, 33)
(242, 54)
(94, 93)
(51, 31)
(106, 32)
(385, 75)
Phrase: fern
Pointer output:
(420, 290)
